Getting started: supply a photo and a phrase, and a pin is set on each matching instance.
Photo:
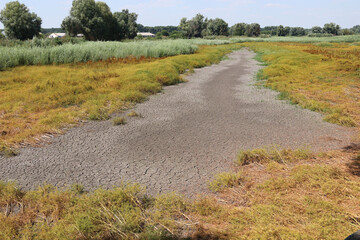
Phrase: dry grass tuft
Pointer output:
(269, 154)
(119, 121)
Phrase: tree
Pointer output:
(184, 27)
(176, 34)
(126, 27)
(217, 27)
(316, 29)
(238, 29)
(165, 33)
(356, 29)
(85, 16)
(331, 28)
(283, 31)
(297, 31)
(253, 30)
(195, 27)
(96, 21)
(19, 23)
(271, 30)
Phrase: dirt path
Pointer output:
(189, 133)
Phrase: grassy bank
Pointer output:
(35, 100)
(276, 194)
(322, 77)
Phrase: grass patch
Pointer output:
(225, 180)
(124, 212)
(322, 77)
(8, 151)
(119, 121)
(134, 114)
(272, 154)
(305, 200)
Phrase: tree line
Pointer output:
(96, 22)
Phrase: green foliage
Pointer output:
(225, 180)
(96, 21)
(253, 30)
(217, 27)
(356, 29)
(283, 31)
(126, 24)
(92, 51)
(316, 29)
(331, 28)
(238, 29)
(19, 23)
(297, 31)
(194, 27)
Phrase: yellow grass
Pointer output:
(44, 99)
(315, 199)
(322, 77)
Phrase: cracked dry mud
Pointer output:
(189, 132)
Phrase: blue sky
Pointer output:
(304, 13)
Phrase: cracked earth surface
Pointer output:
(187, 134)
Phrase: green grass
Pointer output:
(225, 180)
(96, 51)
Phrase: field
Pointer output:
(272, 193)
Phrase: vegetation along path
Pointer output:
(186, 135)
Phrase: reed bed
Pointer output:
(95, 51)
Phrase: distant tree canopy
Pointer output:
(316, 29)
(238, 29)
(356, 29)
(297, 31)
(253, 30)
(199, 26)
(331, 28)
(19, 23)
(270, 30)
(96, 21)
(217, 27)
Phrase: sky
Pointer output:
(301, 13)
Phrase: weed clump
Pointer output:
(134, 114)
(266, 155)
(225, 180)
(119, 121)
(8, 151)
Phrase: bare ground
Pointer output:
(187, 134)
